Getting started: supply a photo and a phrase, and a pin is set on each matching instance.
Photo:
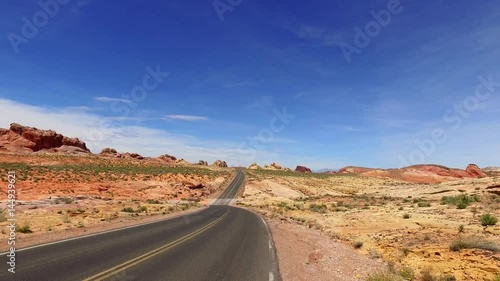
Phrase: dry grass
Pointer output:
(474, 242)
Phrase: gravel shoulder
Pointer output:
(309, 254)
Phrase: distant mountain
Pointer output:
(325, 170)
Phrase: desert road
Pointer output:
(218, 243)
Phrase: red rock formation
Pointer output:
(108, 151)
(168, 158)
(302, 169)
(419, 173)
(28, 139)
(275, 166)
(220, 163)
(474, 171)
(202, 163)
(132, 155)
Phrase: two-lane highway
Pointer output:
(217, 243)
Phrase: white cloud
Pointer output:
(108, 99)
(187, 117)
(99, 132)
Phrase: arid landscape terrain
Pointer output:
(419, 222)
(414, 227)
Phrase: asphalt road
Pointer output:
(217, 243)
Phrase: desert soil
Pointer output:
(403, 224)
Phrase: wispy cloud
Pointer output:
(187, 117)
(108, 99)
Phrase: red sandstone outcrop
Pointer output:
(203, 163)
(109, 152)
(474, 171)
(302, 169)
(168, 158)
(220, 163)
(419, 173)
(29, 139)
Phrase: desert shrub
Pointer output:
(25, 228)
(406, 216)
(487, 220)
(461, 228)
(474, 243)
(142, 209)
(318, 208)
(497, 277)
(66, 218)
(407, 273)
(462, 205)
(374, 254)
(424, 204)
(282, 204)
(151, 201)
(358, 245)
(64, 200)
(128, 210)
(406, 251)
(382, 276)
(462, 201)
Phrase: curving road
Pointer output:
(218, 243)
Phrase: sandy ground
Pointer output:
(371, 211)
(308, 254)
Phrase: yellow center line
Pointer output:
(112, 271)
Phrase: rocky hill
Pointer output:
(419, 173)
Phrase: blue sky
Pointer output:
(230, 71)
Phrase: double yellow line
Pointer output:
(112, 271)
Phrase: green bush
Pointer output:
(424, 204)
(128, 210)
(406, 216)
(407, 273)
(24, 229)
(462, 201)
(358, 245)
(487, 220)
(318, 208)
